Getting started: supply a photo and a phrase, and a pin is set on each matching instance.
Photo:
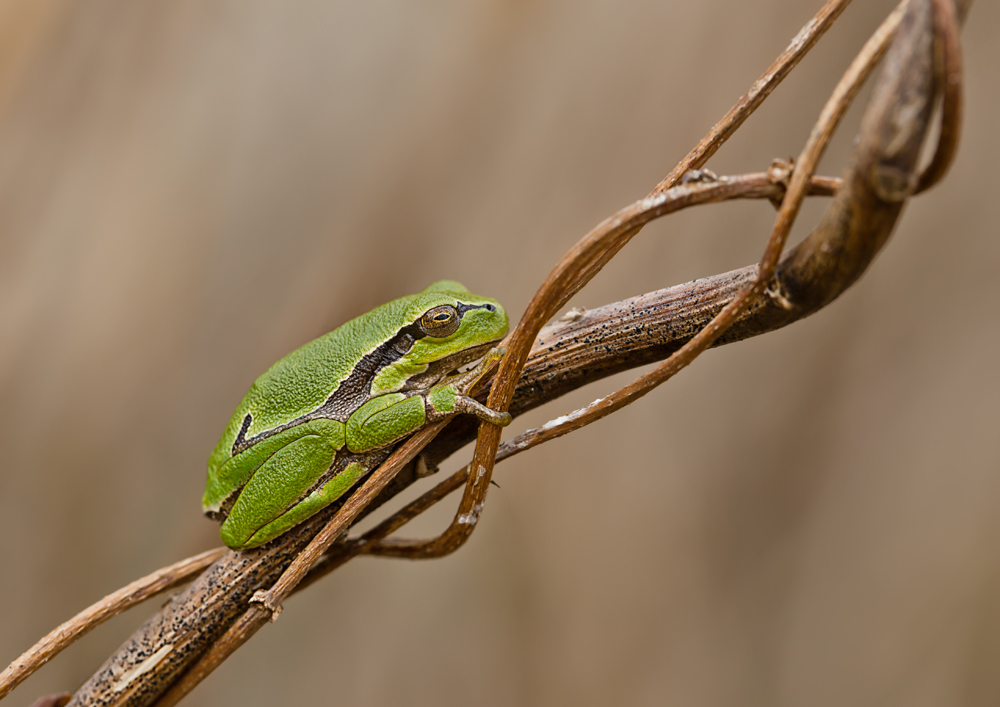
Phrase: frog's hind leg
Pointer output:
(310, 505)
(275, 486)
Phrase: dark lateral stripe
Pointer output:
(354, 390)
(462, 308)
(241, 437)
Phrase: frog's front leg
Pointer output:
(451, 397)
(445, 400)
(387, 418)
(466, 381)
(383, 420)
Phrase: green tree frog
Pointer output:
(325, 415)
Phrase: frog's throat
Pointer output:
(438, 370)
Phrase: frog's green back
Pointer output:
(302, 380)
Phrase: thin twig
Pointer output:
(796, 50)
(110, 606)
(585, 258)
(948, 58)
(748, 186)
(580, 265)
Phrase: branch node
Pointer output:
(780, 174)
(261, 597)
(573, 315)
(893, 184)
(699, 176)
(773, 291)
(425, 467)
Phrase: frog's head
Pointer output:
(449, 327)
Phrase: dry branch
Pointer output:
(110, 606)
(181, 644)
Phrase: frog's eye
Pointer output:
(441, 321)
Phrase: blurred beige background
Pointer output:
(189, 190)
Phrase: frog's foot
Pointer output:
(471, 406)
